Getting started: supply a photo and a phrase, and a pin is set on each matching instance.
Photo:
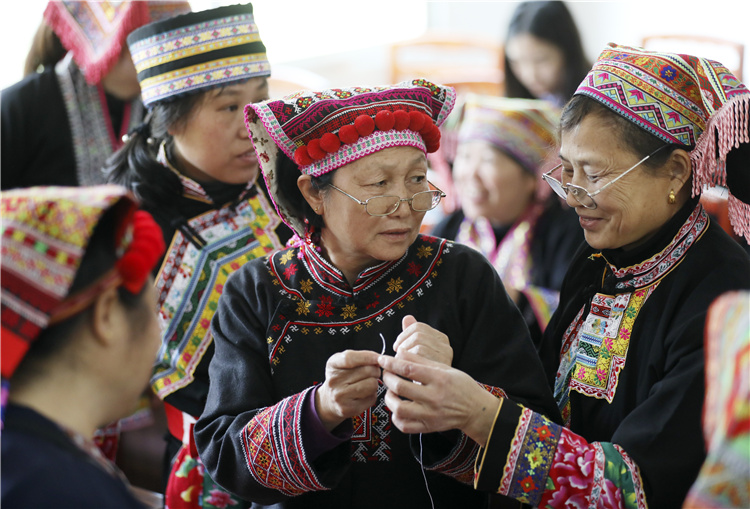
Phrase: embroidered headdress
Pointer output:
(197, 51)
(45, 234)
(95, 32)
(682, 99)
(525, 129)
(322, 131)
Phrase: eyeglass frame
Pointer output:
(549, 179)
(400, 200)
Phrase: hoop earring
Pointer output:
(672, 198)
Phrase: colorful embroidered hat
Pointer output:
(525, 129)
(197, 51)
(322, 131)
(682, 99)
(45, 233)
(95, 32)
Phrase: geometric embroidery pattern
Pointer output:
(191, 281)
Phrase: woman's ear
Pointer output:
(312, 196)
(107, 317)
(680, 168)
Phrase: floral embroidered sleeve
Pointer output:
(547, 465)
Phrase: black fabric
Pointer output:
(36, 147)
(655, 415)
(463, 298)
(42, 468)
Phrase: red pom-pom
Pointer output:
(302, 157)
(313, 148)
(384, 120)
(432, 147)
(348, 134)
(364, 124)
(416, 120)
(145, 249)
(432, 135)
(428, 124)
(401, 120)
(330, 142)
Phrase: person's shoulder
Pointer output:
(32, 86)
(45, 475)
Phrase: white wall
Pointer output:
(294, 30)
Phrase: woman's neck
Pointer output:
(66, 398)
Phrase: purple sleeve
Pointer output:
(316, 438)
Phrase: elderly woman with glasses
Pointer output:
(623, 353)
(295, 415)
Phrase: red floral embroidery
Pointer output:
(290, 271)
(325, 308)
(572, 473)
(414, 268)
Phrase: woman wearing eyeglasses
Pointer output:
(295, 413)
(624, 351)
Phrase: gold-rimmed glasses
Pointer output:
(582, 196)
(386, 205)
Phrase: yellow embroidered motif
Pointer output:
(394, 285)
(303, 307)
(306, 285)
(424, 251)
(284, 259)
(349, 311)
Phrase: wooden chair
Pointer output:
(729, 53)
(470, 64)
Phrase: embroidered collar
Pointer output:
(333, 280)
(682, 233)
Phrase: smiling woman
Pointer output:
(624, 351)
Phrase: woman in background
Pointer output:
(508, 213)
(60, 125)
(79, 333)
(193, 166)
(544, 57)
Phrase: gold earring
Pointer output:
(317, 209)
(672, 198)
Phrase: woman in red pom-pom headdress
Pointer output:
(297, 335)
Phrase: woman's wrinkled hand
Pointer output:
(350, 387)
(421, 339)
(444, 397)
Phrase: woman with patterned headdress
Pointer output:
(507, 213)
(643, 136)
(60, 125)
(193, 166)
(295, 415)
(79, 334)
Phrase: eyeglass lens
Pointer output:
(420, 202)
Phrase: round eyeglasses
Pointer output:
(582, 196)
(387, 204)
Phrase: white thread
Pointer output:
(382, 339)
(424, 474)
